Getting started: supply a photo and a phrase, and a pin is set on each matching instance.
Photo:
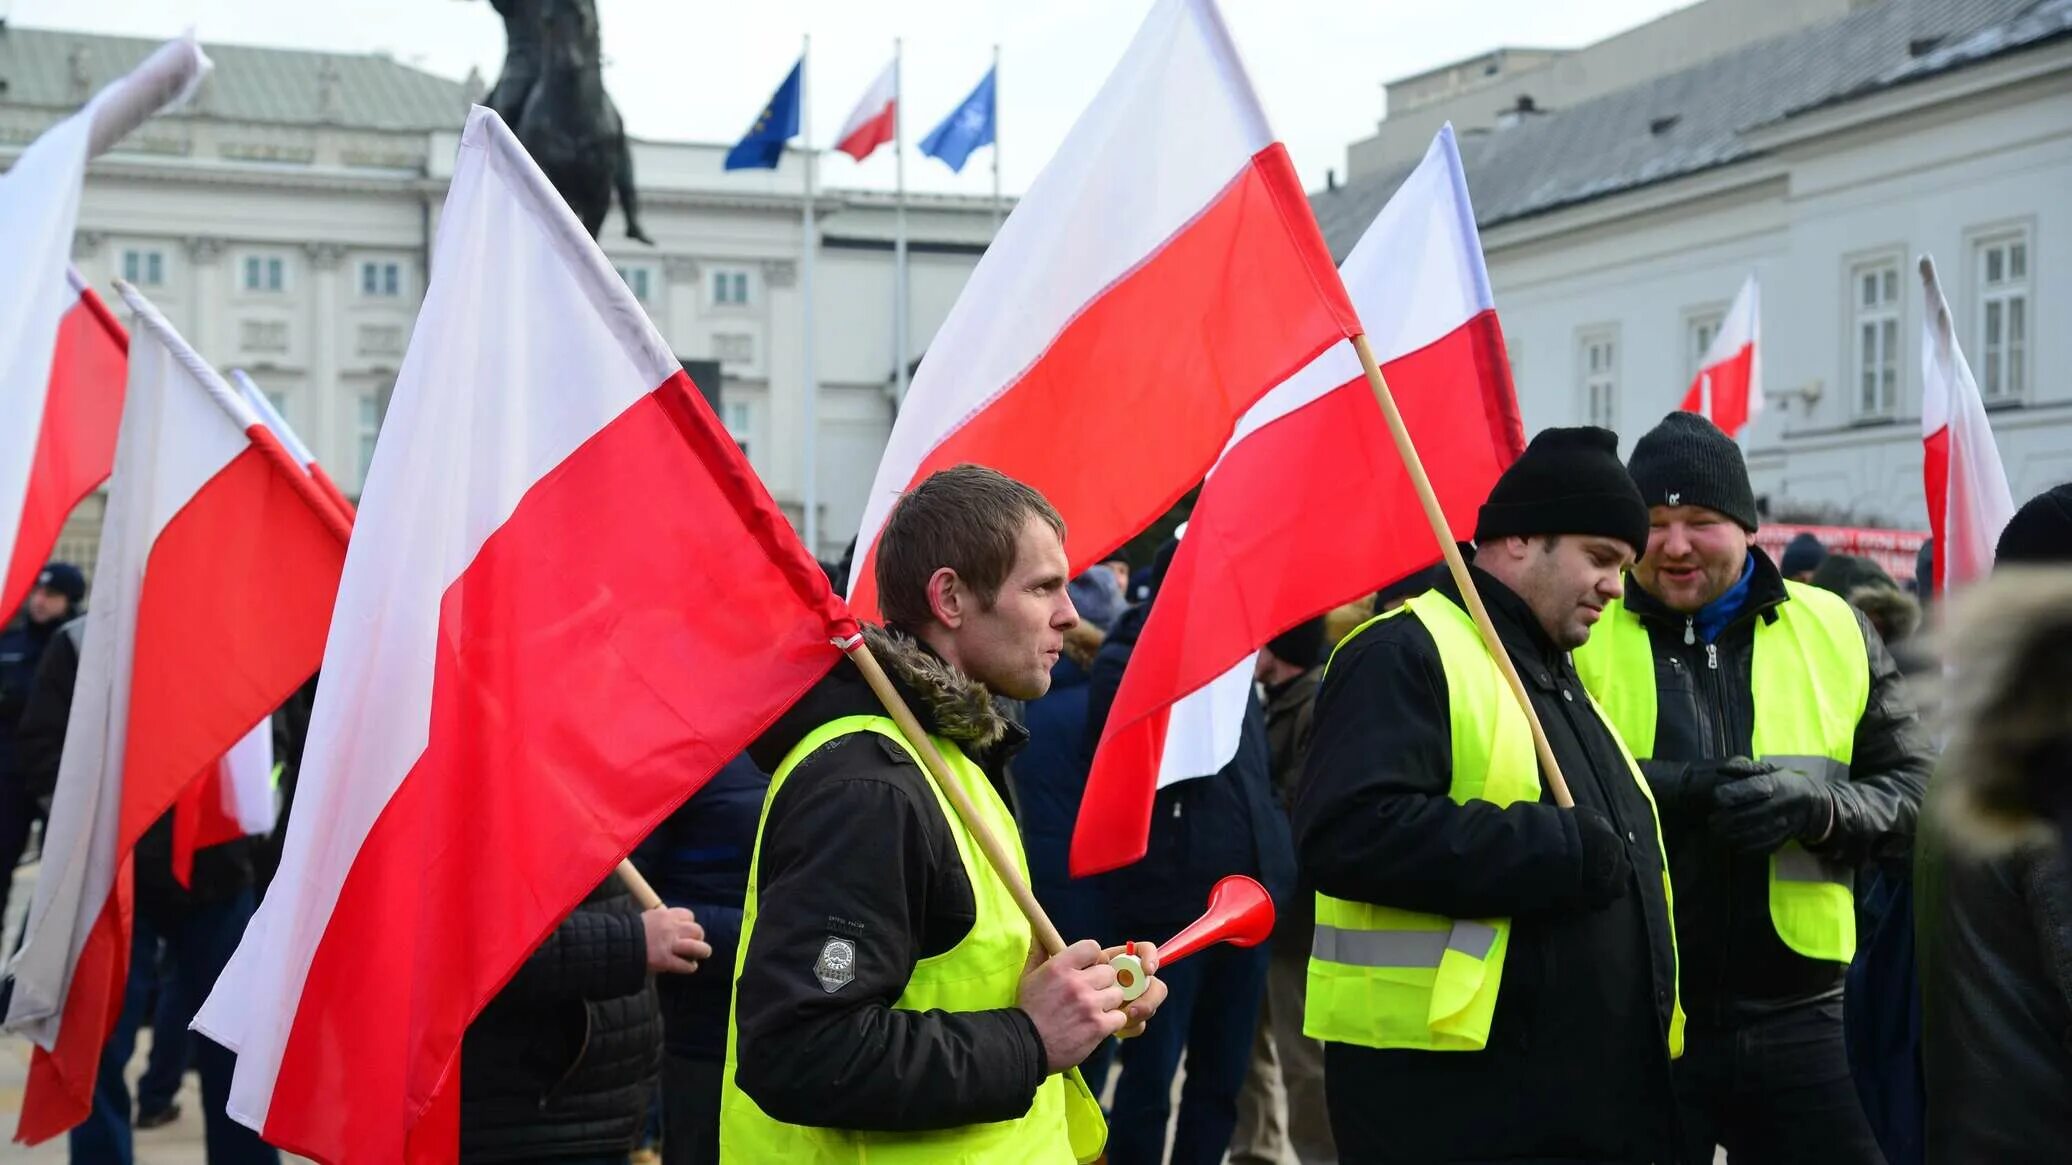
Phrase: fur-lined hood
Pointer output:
(947, 702)
(2007, 769)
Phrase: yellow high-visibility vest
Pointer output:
(1811, 680)
(1383, 977)
(982, 972)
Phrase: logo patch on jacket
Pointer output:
(836, 966)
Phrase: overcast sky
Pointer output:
(681, 69)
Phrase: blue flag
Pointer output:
(967, 128)
(778, 123)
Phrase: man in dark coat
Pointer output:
(1201, 830)
(561, 1063)
(1572, 1062)
(55, 598)
(1994, 887)
(1784, 751)
(698, 859)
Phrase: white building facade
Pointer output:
(283, 222)
(1956, 142)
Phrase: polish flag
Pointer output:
(1309, 505)
(218, 564)
(1728, 389)
(1160, 275)
(61, 352)
(872, 123)
(1969, 502)
(550, 486)
(235, 797)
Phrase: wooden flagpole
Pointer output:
(1549, 768)
(1002, 861)
(642, 892)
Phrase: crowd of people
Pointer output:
(1723, 886)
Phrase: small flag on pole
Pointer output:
(967, 128)
(762, 147)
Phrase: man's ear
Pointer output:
(948, 597)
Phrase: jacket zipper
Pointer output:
(1713, 707)
(582, 1053)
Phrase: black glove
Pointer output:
(1761, 812)
(1606, 864)
(1683, 791)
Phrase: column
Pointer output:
(318, 420)
(206, 329)
(783, 367)
(680, 288)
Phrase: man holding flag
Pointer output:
(1494, 976)
(1782, 748)
(888, 1004)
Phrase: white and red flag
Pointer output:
(212, 591)
(1310, 506)
(61, 368)
(1161, 274)
(1728, 389)
(549, 486)
(1969, 502)
(872, 123)
(236, 798)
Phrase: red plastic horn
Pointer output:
(1240, 913)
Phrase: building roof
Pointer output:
(60, 70)
(1697, 119)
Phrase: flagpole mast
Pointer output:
(1550, 769)
(809, 492)
(900, 326)
(996, 140)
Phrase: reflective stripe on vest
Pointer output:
(1810, 680)
(1381, 977)
(982, 972)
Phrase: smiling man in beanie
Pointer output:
(1784, 754)
(1494, 977)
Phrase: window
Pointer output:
(381, 279)
(735, 415)
(1597, 361)
(733, 348)
(638, 280)
(2003, 315)
(380, 340)
(278, 400)
(1874, 300)
(1699, 333)
(263, 335)
(264, 273)
(730, 288)
(145, 268)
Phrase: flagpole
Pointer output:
(996, 140)
(997, 855)
(1550, 769)
(900, 326)
(809, 492)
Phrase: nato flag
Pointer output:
(967, 128)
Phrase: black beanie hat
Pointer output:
(1803, 553)
(1569, 481)
(1301, 645)
(64, 578)
(2041, 531)
(1687, 461)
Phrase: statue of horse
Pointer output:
(551, 92)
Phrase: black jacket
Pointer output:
(1201, 830)
(1732, 956)
(855, 847)
(1577, 1065)
(220, 872)
(562, 1061)
(698, 858)
(22, 643)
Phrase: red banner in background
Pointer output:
(1894, 550)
